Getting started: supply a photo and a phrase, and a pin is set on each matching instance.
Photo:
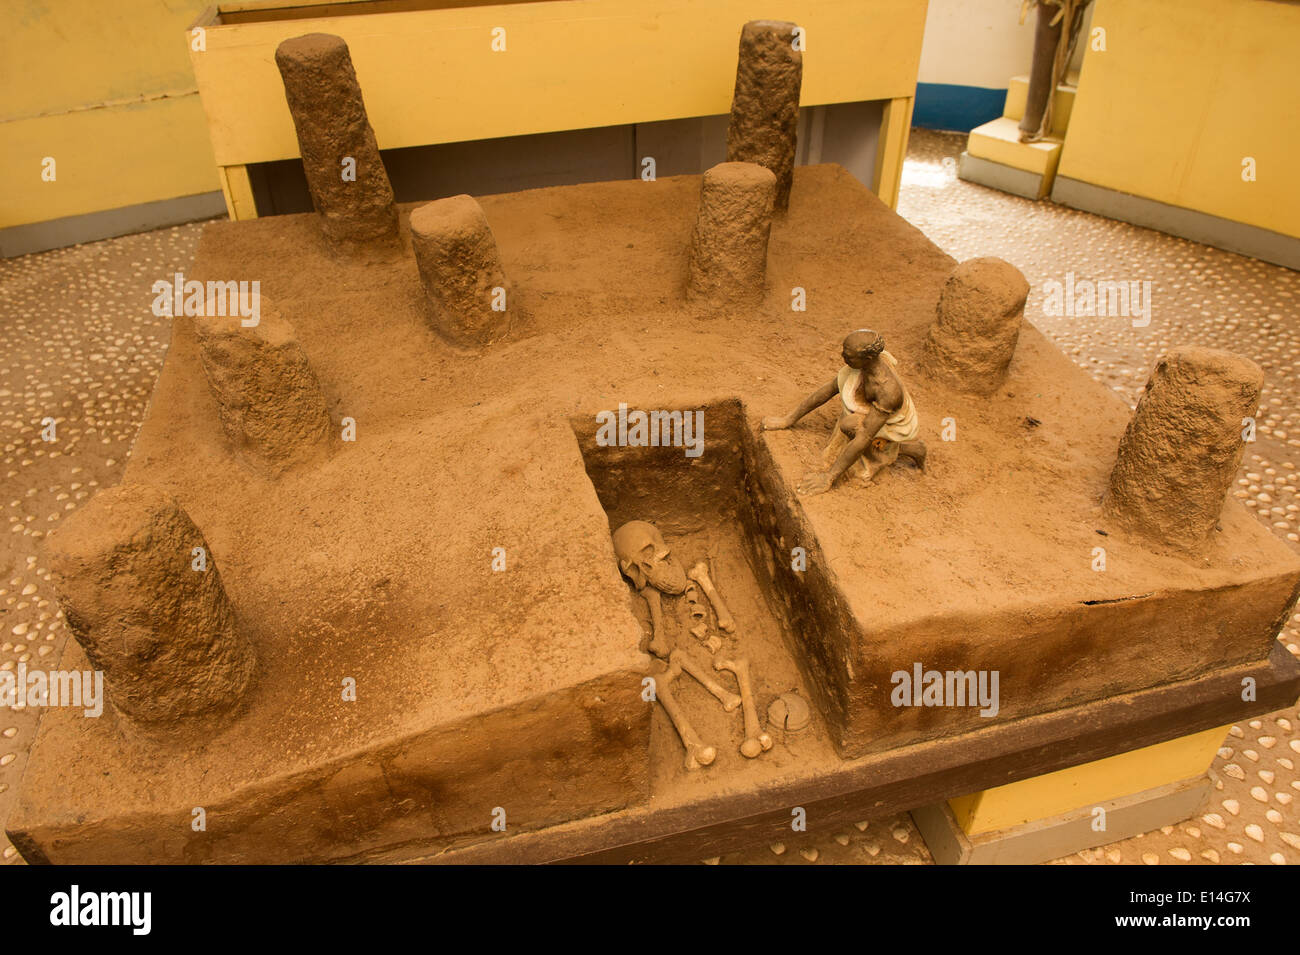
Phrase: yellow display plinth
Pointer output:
(1092, 783)
(999, 141)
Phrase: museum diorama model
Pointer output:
(388, 579)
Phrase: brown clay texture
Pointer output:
(1183, 447)
(459, 267)
(103, 361)
(163, 633)
(729, 245)
(974, 335)
(376, 563)
(765, 104)
(330, 118)
(268, 398)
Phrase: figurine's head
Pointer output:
(862, 347)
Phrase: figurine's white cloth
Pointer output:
(902, 425)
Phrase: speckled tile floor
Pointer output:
(79, 344)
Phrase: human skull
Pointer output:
(644, 558)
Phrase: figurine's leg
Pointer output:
(914, 450)
(848, 428)
(857, 453)
(879, 455)
(833, 447)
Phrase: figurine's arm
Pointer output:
(818, 398)
(869, 424)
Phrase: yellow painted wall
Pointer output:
(108, 87)
(431, 76)
(1088, 785)
(1184, 91)
(104, 87)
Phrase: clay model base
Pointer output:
(455, 560)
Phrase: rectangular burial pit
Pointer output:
(811, 620)
(709, 508)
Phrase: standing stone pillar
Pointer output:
(977, 325)
(765, 104)
(268, 397)
(162, 632)
(345, 173)
(1183, 445)
(460, 269)
(728, 261)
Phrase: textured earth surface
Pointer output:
(79, 344)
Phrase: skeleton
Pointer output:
(697, 754)
(700, 574)
(684, 661)
(756, 741)
(645, 559)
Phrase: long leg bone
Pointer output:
(658, 645)
(756, 741)
(686, 662)
(697, 754)
(700, 574)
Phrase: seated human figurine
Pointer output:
(878, 422)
